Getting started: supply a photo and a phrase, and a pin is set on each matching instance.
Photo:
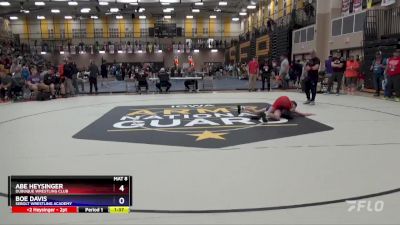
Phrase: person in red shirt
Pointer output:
(393, 72)
(253, 68)
(351, 73)
(283, 107)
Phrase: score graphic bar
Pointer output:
(70, 209)
(69, 194)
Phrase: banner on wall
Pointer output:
(345, 7)
(388, 2)
(369, 4)
(357, 6)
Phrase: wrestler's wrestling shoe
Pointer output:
(240, 109)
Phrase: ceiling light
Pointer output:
(85, 10)
(102, 51)
(72, 3)
(55, 11)
(196, 51)
(213, 17)
(141, 10)
(167, 17)
(142, 17)
(223, 3)
(39, 3)
(4, 4)
(243, 13)
(103, 3)
(68, 17)
(159, 51)
(235, 19)
(41, 17)
(189, 17)
(62, 52)
(113, 10)
(94, 17)
(127, 1)
(165, 3)
(43, 53)
(25, 11)
(198, 3)
(251, 6)
(195, 10)
(140, 51)
(120, 52)
(13, 18)
(217, 10)
(119, 17)
(214, 50)
(133, 3)
(168, 10)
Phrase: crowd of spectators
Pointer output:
(30, 76)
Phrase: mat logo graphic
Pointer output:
(365, 205)
(192, 125)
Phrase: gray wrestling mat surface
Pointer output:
(288, 175)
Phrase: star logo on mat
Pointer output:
(208, 135)
(193, 125)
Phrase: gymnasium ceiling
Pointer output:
(153, 8)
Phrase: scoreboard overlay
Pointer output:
(70, 194)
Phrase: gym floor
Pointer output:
(302, 179)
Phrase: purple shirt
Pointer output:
(34, 79)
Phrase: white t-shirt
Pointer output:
(284, 66)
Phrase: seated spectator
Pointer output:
(49, 81)
(5, 85)
(18, 82)
(193, 82)
(163, 80)
(141, 78)
(34, 82)
(25, 72)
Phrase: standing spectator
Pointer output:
(93, 73)
(360, 74)
(68, 74)
(393, 71)
(253, 68)
(266, 70)
(338, 68)
(311, 81)
(351, 74)
(284, 71)
(378, 67)
(328, 67)
(104, 70)
(297, 70)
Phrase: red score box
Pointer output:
(44, 209)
